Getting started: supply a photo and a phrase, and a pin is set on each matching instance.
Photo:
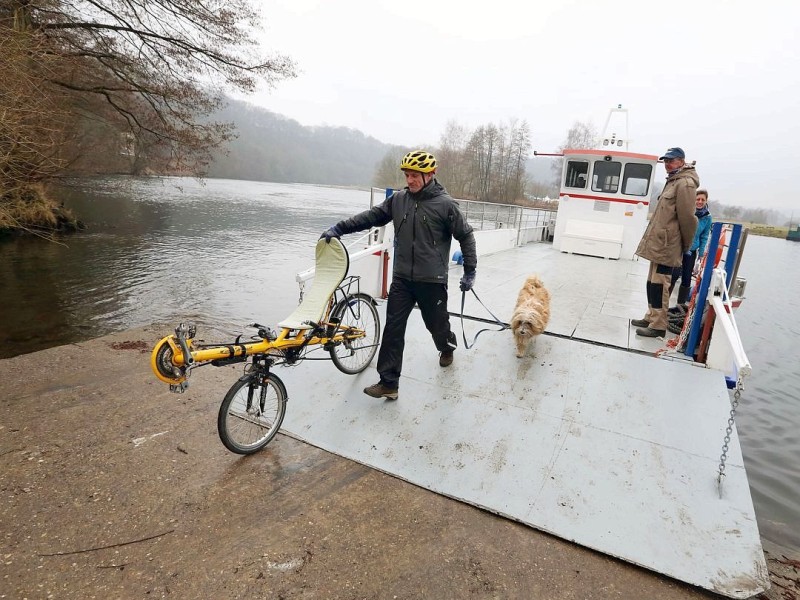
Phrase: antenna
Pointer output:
(611, 140)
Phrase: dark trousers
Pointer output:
(403, 295)
(684, 272)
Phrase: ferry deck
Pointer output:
(589, 437)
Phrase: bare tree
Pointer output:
(487, 163)
(454, 172)
(481, 150)
(34, 125)
(580, 135)
(143, 76)
(520, 148)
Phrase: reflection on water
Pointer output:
(226, 253)
(161, 249)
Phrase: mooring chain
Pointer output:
(687, 326)
(728, 430)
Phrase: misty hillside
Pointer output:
(271, 147)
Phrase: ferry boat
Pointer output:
(793, 235)
(622, 444)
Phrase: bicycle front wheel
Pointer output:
(251, 413)
(360, 328)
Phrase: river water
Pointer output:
(224, 253)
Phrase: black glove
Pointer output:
(467, 280)
(332, 232)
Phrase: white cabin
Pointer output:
(603, 202)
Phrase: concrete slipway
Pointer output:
(115, 488)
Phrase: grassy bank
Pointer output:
(32, 211)
(767, 230)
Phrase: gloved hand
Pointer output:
(331, 232)
(467, 280)
(688, 253)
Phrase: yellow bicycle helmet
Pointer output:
(419, 160)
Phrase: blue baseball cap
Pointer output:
(673, 153)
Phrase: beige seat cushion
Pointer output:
(331, 267)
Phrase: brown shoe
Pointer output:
(379, 390)
(650, 332)
(446, 358)
(640, 323)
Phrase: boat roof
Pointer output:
(619, 153)
(589, 437)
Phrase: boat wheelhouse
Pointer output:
(603, 202)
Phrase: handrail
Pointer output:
(724, 316)
(729, 260)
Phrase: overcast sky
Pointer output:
(720, 79)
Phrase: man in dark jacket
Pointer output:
(668, 235)
(425, 219)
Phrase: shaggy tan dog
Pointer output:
(531, 313)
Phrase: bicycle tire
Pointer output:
(251, 413)
(352, 356)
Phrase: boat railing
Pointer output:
(723, 311)
(531, 224)
(722, 291)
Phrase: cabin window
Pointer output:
(577, 174)
(606, 176)
(636, 179)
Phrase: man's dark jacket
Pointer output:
(424, 225)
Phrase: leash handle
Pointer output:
(468, 345)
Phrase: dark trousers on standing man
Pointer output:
(403, 295)
(684, 273)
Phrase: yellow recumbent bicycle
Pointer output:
(334, 316)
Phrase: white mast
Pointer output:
(611, 140)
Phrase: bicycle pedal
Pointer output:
(178, 388)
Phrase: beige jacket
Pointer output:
(671, 229)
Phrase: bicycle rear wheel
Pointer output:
(355, 352)
(251, 413)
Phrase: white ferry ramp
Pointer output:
(594, 441)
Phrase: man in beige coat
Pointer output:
(668, 235)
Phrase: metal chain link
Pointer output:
(728, 430)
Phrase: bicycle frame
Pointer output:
(184, 354)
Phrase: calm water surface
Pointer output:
(225, 253)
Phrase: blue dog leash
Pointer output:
(503, 326)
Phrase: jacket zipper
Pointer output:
(413, 238)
